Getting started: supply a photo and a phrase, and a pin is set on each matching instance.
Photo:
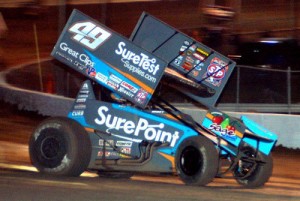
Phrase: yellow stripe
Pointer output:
(239, 134)
(170, 158)
(91, 130)
(209, 115)
(170, 116)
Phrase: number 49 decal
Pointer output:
(89, 34)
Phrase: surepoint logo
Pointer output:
(89, 34)
(151, 132)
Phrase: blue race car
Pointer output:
(137, 130)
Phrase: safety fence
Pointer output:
(257, 85)
(249, 89)
(256, 89)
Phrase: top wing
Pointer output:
(194, 62)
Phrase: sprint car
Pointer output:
(135, 129)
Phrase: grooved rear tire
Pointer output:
(60, 146)
(197, 161)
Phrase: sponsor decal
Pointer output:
(189, 59)
(184, 46)
(76, 113)
(80, 100)
(79, 106)
(102, 78)
(86, 60)
(82, 57)
(140, 64)
(193, 48)
(223, 125)
(139, 128)
(198, 56)
(189, 52)
(202, 52)
(141, 96)
(79, 65)
(226, 132)
(216, 71)
(196, 65)
(187, 66)
(115, 78)
(126, 92)
(85, 86)
(84, 92)
(111, 154)
(107, 153)
(108, 143)
(195, 73)
(64, 56)
(125, 150)
(83, 96)
(89, 34)
(178, 60)
(124, 144)
(113, 85)
(129, 87)
(91, 72)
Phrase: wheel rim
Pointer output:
(190, 161)
(51, 148)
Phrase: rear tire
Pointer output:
(60, 146)
(197, 161)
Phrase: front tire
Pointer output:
(254, 174)
(197, 161)
(60, 146)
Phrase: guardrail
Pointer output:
(252, 107)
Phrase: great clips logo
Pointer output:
(89, 34)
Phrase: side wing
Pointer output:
(109, 59)
(197, 70)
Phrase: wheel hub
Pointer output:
(51, 148)
(190, 161)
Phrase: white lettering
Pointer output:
(77, 113)
(151, 132)
(82, 57)
(64, 47)
(101, 115)
(89, 34)
(141, 60)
